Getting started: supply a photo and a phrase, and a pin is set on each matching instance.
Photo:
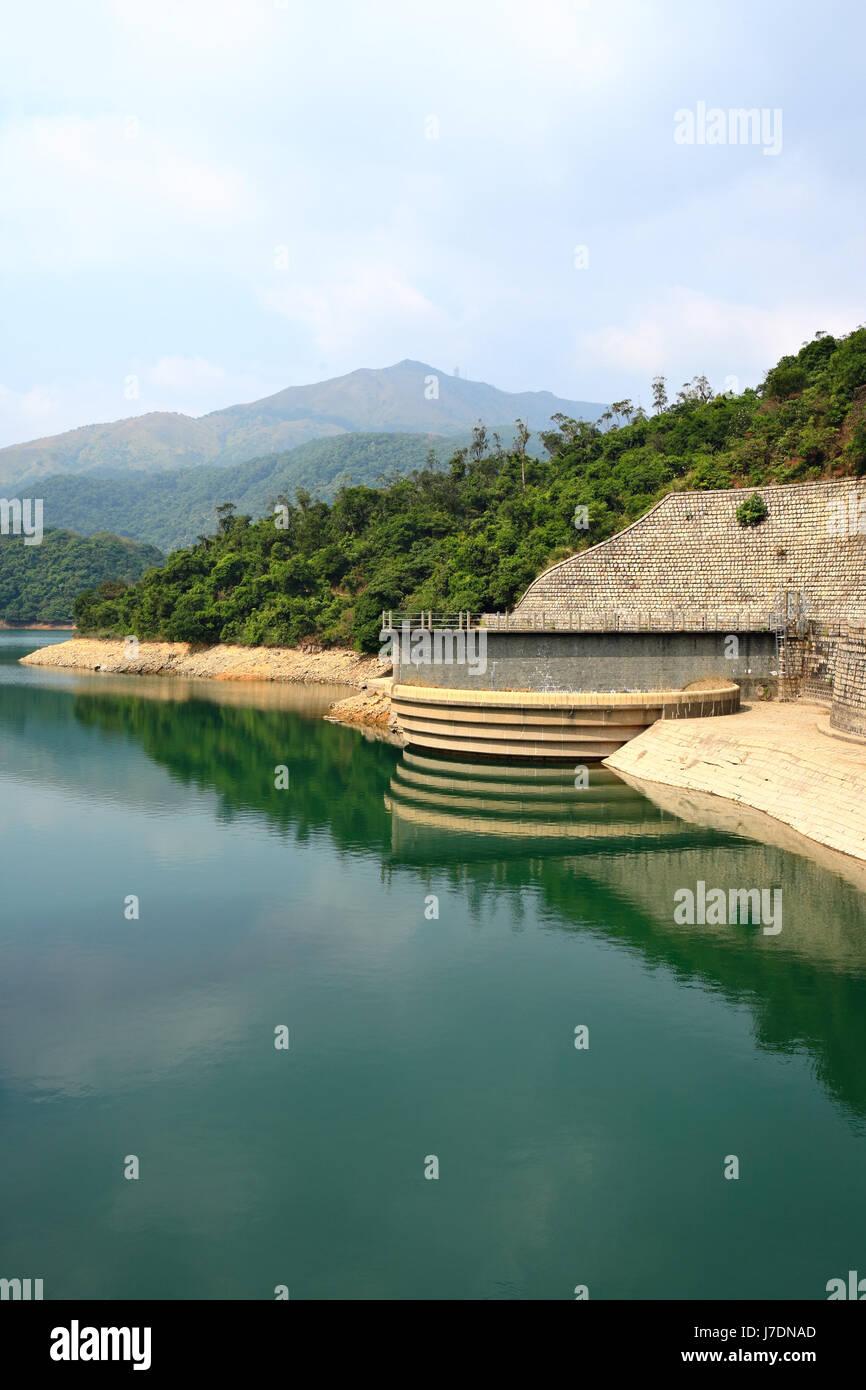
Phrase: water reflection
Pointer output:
(609, 857)
(436, 804)
(605, 859)
(307, 905)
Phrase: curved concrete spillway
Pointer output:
(562, 726)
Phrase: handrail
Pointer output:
(599, 620)
(747, 618)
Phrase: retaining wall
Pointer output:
(600, 661)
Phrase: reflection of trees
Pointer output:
(337, 779)
(606, 862)
(806, 988)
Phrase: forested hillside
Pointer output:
(38, 583)
(174, 508)
(474, 535)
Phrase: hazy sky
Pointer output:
(220, 198)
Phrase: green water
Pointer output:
(410, 1035)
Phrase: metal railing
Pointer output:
(593, 620)
(430, 621)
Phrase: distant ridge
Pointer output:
(172, 508)
(409, 397)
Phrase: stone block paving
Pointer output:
(782, 759)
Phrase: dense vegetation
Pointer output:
(171, 509)
(38, 583)
(474, 535)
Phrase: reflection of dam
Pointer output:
(605, 860)
(643, 848)
(436, 803)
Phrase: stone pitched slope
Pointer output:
(689, 557)
(779, 759)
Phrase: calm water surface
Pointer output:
(410, 1035)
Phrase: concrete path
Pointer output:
(778, 758)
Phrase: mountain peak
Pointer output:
(410, 397)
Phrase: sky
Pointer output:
(205, 201)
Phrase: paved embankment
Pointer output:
(337, 665)
(777, 758)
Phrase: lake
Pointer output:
(427, 938)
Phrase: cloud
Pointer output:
(682, 332)
(98, 191)
(188, 384)
(28, 414)
(200, 24)
(195, 386)
(161, 149)
(343, 311)
(186, 373)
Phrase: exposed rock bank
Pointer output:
(36, 627)
(337, 665)
(371, 707)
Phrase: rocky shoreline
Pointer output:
(371, 707)
(335, 666)
(6, 626)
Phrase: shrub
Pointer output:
(753, 511)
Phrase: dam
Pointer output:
(678, 616)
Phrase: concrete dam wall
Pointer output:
(848, 713)
(686, 600)
(598, 661)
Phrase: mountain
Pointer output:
(409, 397)
(396, 398)
(171, 509)
(38, 583)
(472, 537)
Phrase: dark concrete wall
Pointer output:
(600, 661)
